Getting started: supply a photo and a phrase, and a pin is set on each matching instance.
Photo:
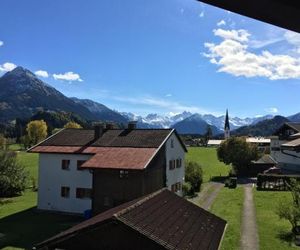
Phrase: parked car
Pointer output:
(273, 170)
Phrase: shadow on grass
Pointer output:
(220, 179)
(28, 227)
(286, 236)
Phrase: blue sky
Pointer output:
(154, 56)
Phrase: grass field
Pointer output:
(20, 224)
(207, 158)
(273, 232)
(228, 205)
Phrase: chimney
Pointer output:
(98, 131)
(132, 125)
(109, 126)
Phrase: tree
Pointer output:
(238, 152)
(72, 125)
(25, 141)
(13, 177)
(193, 175)
(37, 131)
(208, 134)
(3, 142)
(290, 210)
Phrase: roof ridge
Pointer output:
(138, 203)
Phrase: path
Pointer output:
(207, 196)
(249, 238)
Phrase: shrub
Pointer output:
(290, 210)
(13, 177)
(187, 188)
(194, 175)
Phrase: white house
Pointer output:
(285, 145)
(81, 169)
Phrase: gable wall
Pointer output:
(52, 177)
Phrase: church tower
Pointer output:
(226, 127)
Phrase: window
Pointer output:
(171, 164)
(65, 192)
(275, 149)
(176, 187)
(79, 164)
(65, 164)
(83, 193)
(172, 143)
(123, 174)
(178, 163)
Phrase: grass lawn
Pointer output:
(207, 158)
(20, 224)
(15, 147)
(228, 205)
(30, 162)
(273, 232)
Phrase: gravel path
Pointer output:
(209, 199)
(207, 196)
(249, 239)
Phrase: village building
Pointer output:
(161, 220)
(214, 143)
(263, 144)
(97, 169)
(285, 147)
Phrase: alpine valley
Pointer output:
(23, 95)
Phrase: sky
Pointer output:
(162, 56)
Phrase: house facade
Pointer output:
(82, 170)
(285, 146)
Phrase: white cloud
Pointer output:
(5, 67)
(201, 14)
(258, 44)
(42, 73)
(168, 95)
(293, 38)
(272, 110)
(68, 76)
(237, 35)
(1, 43)
(220, 23)
(232, 55)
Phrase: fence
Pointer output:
(275, 182)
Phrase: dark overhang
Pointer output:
(282, 13)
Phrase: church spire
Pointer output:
(227, 126)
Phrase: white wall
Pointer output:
(177, 174)
(284, 161)
(52, 177)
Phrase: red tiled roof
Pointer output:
(120, 158)
(106, 157)
(164, 217)
(55, 149)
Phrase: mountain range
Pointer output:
(23, 94)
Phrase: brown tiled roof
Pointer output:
(294, 125)
(293, 143)
(106, 157)
(147, 138)
(120, 158)
(163, 217)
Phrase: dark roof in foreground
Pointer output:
(137, 138)
(163, 217)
